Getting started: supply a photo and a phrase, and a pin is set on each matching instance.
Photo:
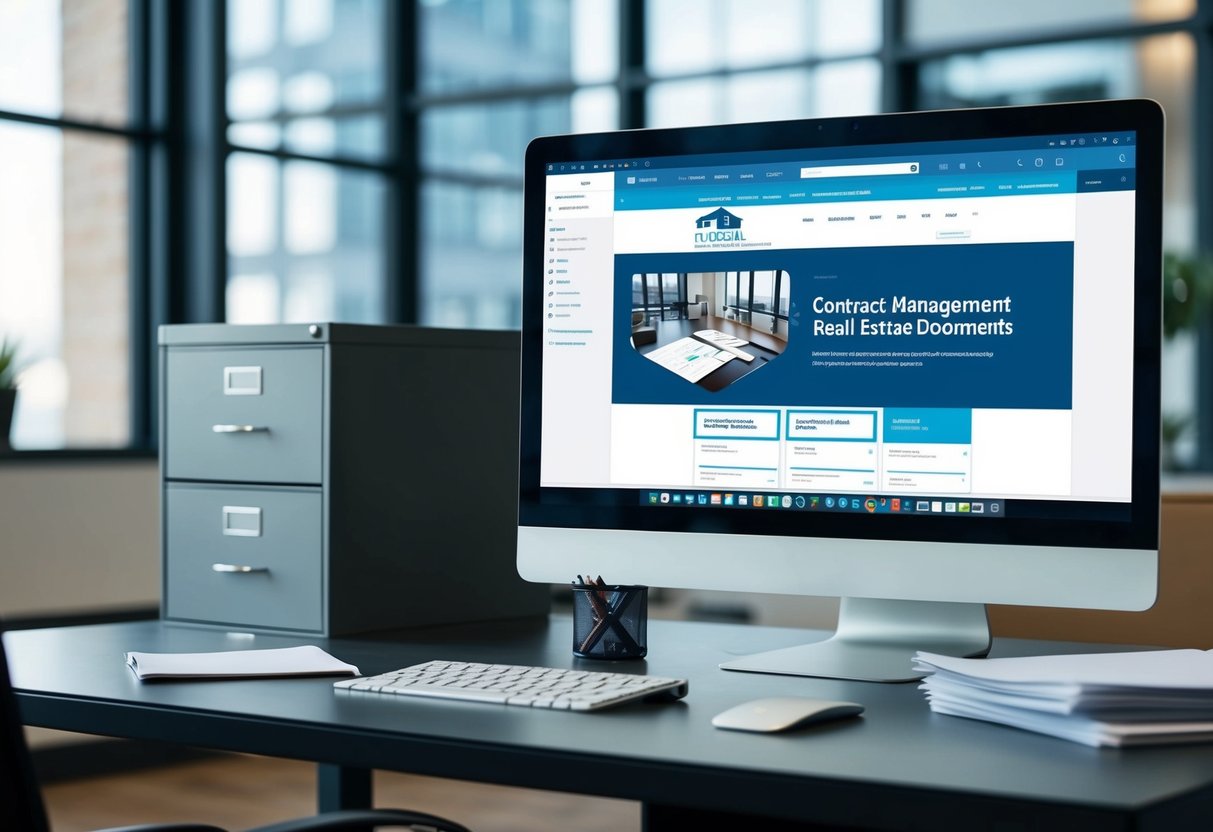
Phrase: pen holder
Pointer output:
(610, 622)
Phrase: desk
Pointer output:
(762, 345)
(898, 766)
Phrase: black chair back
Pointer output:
(20, 800)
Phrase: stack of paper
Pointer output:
(1116, 699)
(689, 358)
(308, 660)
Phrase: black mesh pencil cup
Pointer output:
(610, 622)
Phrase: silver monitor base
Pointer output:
(876, 640)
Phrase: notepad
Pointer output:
(308, 660)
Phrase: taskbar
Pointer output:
(834, 503)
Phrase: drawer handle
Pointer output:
(240, 429)
(237, 568)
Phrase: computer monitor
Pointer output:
(927, 379)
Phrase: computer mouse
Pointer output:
(782, 713)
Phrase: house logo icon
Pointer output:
(720, 218)
(719, 229)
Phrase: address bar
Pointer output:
(884, 169)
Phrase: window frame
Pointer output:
(748, 308)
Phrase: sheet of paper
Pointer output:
(689, 358)
(1128, 706)
(1154, 669)
(720, 339)
(728, 343)
(307, 660)
(1086, 731)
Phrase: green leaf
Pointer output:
(1187, 292)
(8, 364)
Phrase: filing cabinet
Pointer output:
(337, 478)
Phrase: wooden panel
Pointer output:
(1183, 614)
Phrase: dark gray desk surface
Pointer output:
(898, 766)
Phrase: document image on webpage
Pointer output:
(710, 339)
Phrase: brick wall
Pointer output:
(96, 270)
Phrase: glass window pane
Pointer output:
(64, 286)
(846, 88)
(360, 137)
(476, 44)
(492, 138)
(764, 291)
(686, 36)
(1159, 67)
(471, 256)
(307, 76)
(670, 296)
(832, 89)
(595, 110)
(847, 27)
(949, 21)
(305, 242)
(653, 298)
(67, 58)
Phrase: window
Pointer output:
(69, 140)
(758, 298)
(727, 60)
(307, 170)
(370, 153)
(660, 296)
(932, 22)
(493, 75)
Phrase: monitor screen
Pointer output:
(938, 327)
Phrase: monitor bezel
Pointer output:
(590, 508)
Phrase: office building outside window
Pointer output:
(306, 197)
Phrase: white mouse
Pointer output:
(782, 713)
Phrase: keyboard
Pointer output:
(509, 684)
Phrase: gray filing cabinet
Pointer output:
(335, 478)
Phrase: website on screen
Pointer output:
(930, 328)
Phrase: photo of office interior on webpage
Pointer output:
(710, 328)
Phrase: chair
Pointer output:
(21, 808)
(641, 333)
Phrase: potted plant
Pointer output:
(1187, 300)
(8, 389)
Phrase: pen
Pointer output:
(608, 617)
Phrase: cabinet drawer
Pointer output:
(246, 415)
(244, 556)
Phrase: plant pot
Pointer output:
(8, 401)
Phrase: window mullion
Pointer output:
(402, 216)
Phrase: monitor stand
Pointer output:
(876, 640)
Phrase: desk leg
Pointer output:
(342, 787)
